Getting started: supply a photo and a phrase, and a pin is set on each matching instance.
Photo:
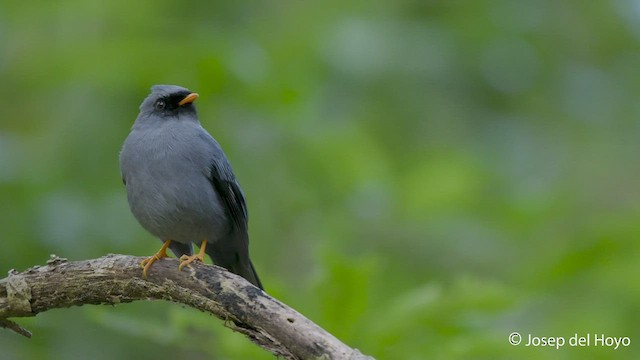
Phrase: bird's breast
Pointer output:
(168, 189)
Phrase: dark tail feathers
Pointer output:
(239, 264)
(249, 273)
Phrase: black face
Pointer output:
(169, 104)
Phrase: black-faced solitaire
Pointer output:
(181, 187)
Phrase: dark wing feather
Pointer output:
(225, 183)
(233, 254)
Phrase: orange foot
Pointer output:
(162, 253)
(186, 259)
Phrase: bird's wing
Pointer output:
(224, 182)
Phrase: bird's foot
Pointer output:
(188, 259)
(162, 253)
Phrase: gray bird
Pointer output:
(181, 187)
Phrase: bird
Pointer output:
(180, 185)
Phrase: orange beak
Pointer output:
(189, 99)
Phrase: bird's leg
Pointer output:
(188, 259)
(162, 253)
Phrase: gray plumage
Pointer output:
(180, 185)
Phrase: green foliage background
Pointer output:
(423, 177)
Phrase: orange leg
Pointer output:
(162, 253)
(186, 260)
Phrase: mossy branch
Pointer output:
(115, 279)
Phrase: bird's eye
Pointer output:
(160, 105)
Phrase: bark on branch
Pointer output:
(115, 279)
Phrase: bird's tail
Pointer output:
(237, 262)
(249, 273)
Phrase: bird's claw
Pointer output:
(188, 259)
(146, 263)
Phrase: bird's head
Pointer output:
(168, 101)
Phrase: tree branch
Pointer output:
(115, 279)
